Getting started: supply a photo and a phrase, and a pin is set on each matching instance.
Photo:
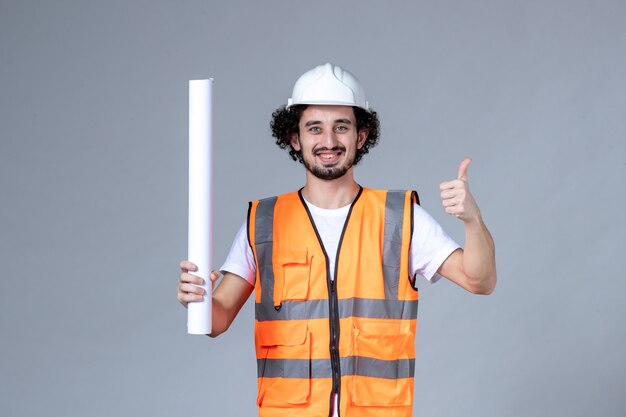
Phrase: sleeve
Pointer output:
(430, 245)
(240, 260)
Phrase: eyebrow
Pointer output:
(317, 122)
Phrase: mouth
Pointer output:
(329, 156)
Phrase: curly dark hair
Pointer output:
(285, 122)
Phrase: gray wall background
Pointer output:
(93, 160)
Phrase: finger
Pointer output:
(191, 289)
(451, 193)
(184, 298)
(450, 202)
(453, 210)
(449, 185)
(188, 266)
(193, 279)
(462, 175)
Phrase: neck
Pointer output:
(330, 194)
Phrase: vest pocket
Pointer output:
(383, 369)
(293, 277)
(284, 368)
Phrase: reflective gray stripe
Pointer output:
(392, 242)
(401, 368)
(348, 307)
(378, 309)
(292, 310)
(263, 241)
(321, 368)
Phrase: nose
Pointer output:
(329, 139)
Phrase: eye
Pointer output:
(315, 129)
(342, 128)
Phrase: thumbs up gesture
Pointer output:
(456, 197)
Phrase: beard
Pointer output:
(329, 173)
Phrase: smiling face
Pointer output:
(328, 140)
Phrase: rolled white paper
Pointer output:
(200, 198)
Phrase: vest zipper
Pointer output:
(334, 341)
(333, 304)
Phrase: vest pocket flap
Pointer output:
(383, 346)
(280, 333)
(292, 256)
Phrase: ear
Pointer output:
(295, 142)
(362, 137)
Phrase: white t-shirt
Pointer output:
(430, 245)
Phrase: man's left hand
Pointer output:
(456, 197)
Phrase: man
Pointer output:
(333, 265)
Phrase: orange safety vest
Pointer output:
(352, 337)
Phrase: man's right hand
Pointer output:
(189, 285)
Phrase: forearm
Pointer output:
(221, 318)
(479, 261)
(228, 298)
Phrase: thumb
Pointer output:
(215, 276)
(463, 168)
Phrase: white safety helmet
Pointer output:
(328, 84)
